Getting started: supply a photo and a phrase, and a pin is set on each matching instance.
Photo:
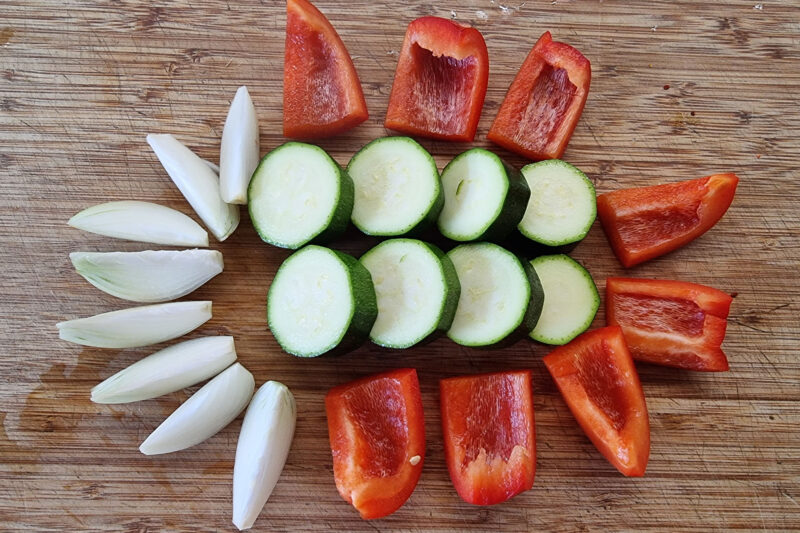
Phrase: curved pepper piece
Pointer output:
(599, 383)
(647, 222)
(544, 102)
(377, 435)
(489, 435)
(440, 82)
(321, 91)
(671, 323)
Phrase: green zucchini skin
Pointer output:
(513, 207)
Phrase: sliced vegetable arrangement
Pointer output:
(377, 435)
(404, 291)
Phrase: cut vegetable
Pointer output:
(141, 221)
(571, 299)
(500, 295)
(148, 276)
(489, 436)
(545, 101)
(484, 198)
(171, 369)
(264, 442)
(321, 92)
(562, 205)
(321, 299)
(377, 434)
(599, 383)
(417, 291)
(238, 154)
(198, 184)
(440, 82)
(648, 222)
(397, 187)
(204, 414)
(670, 323)
(299, 194)
(136, 326)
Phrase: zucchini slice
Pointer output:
(320, 299)
(571, 299)
(417, 291)
(397, 187)
(484, 198)
(562, 205)
(501, 297)
(299, 194)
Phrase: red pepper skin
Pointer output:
(321, 92)
(489, 435)
(671, 323)
(647, 222)
(377, 435)
(598, 380)
(544, 102)
(440, 82)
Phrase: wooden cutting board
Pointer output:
(680, 90)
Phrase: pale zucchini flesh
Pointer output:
(484, 197)
(299, 194)
(571, 299)
(562, 205)
(397, 187)
(320, 299)
(416, 288)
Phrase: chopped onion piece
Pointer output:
(213, 166)
(206, 412)
(173, 368)
(238, 156)
(149, 276)
(198, 183)
(136, 326)
(263, 446)
(141, 221)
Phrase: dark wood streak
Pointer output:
(83, 82)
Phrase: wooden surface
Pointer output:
(680, 90)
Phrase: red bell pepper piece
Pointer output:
(670, 323)
(544, 102)
(598, 380)
(321, 92)
(647, 222)
(440, 81)
(377, 435)
(490, 441)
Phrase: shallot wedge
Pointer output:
(206, 412)
(136, 326)
(264, 443)
(173, 368)
(149, 276)
(238, 156)
(197, 182)
(141, 221)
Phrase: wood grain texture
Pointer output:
(680, 90)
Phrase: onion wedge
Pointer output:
(206, 412)
(264, 442)
(136, 326)
(141, 221)
(238, 156)
(173, 368)
(149, 276)
(198, 184)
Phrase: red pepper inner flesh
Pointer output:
(550, 98)
(639, 231)
(603, 382)
(676, 315)
(442, 89)
(378, 413)
(493, 426)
